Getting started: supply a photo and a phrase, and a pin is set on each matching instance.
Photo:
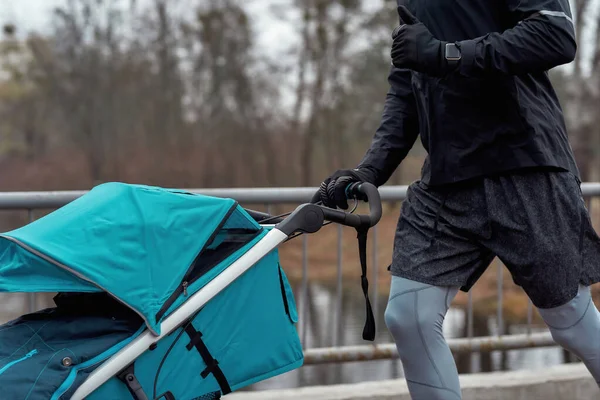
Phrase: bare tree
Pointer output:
(580, 91)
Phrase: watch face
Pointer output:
(452, 52)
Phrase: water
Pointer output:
(318, 328)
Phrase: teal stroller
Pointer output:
(162, 295)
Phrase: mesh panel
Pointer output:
(236, 232)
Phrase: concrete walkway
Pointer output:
(563, 382)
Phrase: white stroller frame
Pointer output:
(307, 218)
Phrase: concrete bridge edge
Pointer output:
(562, 382)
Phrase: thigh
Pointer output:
(435, 240)
(430, 300)
(542, 233)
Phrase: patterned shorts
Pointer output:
(535, 222)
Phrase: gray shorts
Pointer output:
(535, 222)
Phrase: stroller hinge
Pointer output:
(134, 386)
(185, 286)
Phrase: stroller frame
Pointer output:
(307, 218)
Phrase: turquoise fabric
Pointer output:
(33, 347)
(245, 328)
(79, 373)
(25, 272)
(133, 241)
(138, 243)
(214, 272)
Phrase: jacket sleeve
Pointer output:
(398, 130)
(543, 37)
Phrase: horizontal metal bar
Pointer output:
(56, 199)
(388, 351)
(50, 200)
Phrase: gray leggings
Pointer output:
(415, 315)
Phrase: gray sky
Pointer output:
(273, 37)
(273, 34)
(31, 15)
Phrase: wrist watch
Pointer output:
(452, 54)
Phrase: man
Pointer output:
(500, 179)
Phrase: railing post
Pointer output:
(337, 331)
(32, 296)
(529, 316)
(304, 311)
(470, 326)
(500, 309)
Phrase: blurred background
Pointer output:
(253, 93)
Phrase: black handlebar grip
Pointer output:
(371, 195)
(359, 190)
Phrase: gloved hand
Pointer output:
(416, 48)
(333, 189)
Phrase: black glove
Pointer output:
(333, 189)
(415, 48)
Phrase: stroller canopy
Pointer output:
(138, 243)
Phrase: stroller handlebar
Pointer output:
(309, 217)
(360, 191)
(371, 196)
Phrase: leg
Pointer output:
(435, 254)
(414, 316)
(576, 327)
(543, 233)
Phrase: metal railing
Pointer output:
(31, 201)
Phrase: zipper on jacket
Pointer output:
(12, 363)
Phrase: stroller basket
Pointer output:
(163, 294)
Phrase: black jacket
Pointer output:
(497, 111)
